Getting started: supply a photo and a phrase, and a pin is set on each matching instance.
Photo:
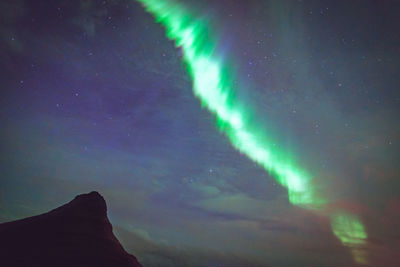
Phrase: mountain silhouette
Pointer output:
(75, 234)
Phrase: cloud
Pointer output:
(242, 204)
(151, 253)
(205, 190)
(238, 243)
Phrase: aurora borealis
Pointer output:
(257, 133)
(214, 92)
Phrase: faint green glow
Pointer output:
(350, 231)
(212, 86)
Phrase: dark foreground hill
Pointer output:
(75, 234)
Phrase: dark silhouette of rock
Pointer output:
(75, 234)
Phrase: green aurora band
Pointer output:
(212, 85)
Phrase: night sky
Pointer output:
(95, 97)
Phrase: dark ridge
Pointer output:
(75, 234)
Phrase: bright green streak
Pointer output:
(212, 85)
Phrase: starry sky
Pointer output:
(95, 97)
